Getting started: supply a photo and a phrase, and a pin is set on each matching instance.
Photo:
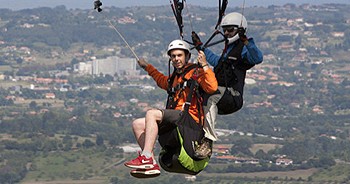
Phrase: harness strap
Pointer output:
(172, 90)
(225, 60)
(216, 32)
(193, 86)
(177, 8)
(222, 9)
(174, 74)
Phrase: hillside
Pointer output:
(57, 125)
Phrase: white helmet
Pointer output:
(178, 44)
(234, 19)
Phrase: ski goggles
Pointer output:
(230, 29)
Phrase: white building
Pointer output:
(83, 68)
(111, 66)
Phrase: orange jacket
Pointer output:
(206, 80)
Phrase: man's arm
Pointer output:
(212, 58)
(207, 78)
(252, 53)
(208, 81)
(159, 78)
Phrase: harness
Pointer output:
(190, 83)
(225, 70)
(231, 72)
(177, 144)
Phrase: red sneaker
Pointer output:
(146, 173)
(141, 162)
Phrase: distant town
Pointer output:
(69, 85)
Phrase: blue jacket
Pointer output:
(250, 52)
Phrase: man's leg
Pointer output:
(146, 131)
(153, 117)
(139, 127)
(210, 110)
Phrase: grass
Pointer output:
(7, 84)
(90, 181)
(304, 174)
(82, 167)
(87, 166)
(53, 102)
(6, 137)
(4, 68)
(74, 165)
(339, 173)
(264, 147)
(91, 166)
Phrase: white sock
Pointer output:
(146, 154)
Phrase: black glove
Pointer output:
(196, 41)
(242, 35)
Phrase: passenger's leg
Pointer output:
(204, 149)
(211, 111)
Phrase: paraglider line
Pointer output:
(122, 37)
(97, 6)
(242, 12)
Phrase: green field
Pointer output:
(99, 166)
(89, 166)
(340, 173)
(53, 102)
(264, 147)
(4, 68)
(64, 167)
(7, 84)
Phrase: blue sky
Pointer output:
(87, 4)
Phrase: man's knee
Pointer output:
(154, 114)
(139, 124)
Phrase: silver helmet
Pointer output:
(234, 19)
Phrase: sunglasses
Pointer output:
(229, 29)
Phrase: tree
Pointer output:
(99, 140)
(260, 154)
(242, 146)
(74, 61)
(88, 143)
(5, 102)
(19, 60)
(33, 105)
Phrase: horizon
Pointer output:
(80, 4)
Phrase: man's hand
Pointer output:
(242, 35)
(142, 62)
(196, 40)
(202, 61)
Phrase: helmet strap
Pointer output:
(188, 57)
